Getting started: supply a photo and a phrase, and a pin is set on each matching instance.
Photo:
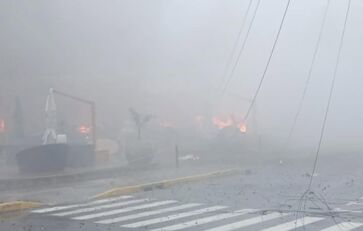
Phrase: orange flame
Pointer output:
(84, 129)
(222, 123)
(2, 125)
(229, 122)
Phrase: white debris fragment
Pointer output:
(189, 157)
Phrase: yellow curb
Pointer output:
(162, 184)
(14, 206)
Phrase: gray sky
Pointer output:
(168, 57)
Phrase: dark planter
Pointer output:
(80, 156)
(44, 158)
(12, 150)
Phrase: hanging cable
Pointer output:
(307, 81)
(230, 59)
(231, 74)
(309, 195)
(267, 64)
(322, 132)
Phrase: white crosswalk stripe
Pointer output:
(58, 208)
(173, 217)
(146, 214)
(354, 203)
(294, 224)
(107, 206)
(123, 210)
(345, 226)
(205, 220)
(248, 222)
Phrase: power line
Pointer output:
(231, 74)
(307, 81)
(268, 63)
(230, 59)
(322, 132)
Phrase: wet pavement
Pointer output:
(263, 197)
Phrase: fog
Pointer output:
(168, 58)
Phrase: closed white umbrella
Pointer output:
(50, 134)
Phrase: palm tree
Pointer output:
(139, 120)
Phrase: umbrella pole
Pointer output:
(93, 112)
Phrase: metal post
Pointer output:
(94, 138)
(176, 156)
(257, 133)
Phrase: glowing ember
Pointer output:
(242, 128)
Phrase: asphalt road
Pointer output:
(265, 196)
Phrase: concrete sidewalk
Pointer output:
(82, 186)
(15, 181)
